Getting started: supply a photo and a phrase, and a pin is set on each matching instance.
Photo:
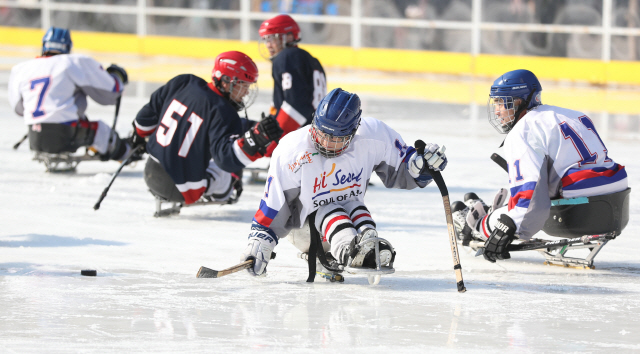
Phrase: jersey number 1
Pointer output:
(170, 124)
(585, 154)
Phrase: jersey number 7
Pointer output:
(44, 81)
(170, 124)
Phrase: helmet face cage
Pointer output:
(276, 41)
(501, 111)
(242, 93)
(327, 144)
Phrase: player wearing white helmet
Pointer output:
(51, 91)
(320, 175)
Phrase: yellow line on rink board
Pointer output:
(425, 75)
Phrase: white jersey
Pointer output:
(301, 180)
(54, 89)
(555, 153)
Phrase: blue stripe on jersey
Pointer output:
(268, 212)
(521, 195)
(601, 177)
(410, 152)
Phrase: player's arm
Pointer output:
(400, 166)
(296, 109)
(272, 219)
(529, 166)
(102, 86)
(15, 97)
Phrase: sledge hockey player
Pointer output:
(551, 153)
(299, 81)
(320, 174)
(51, 91)
(198, 145)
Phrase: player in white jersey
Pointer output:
(551, 152)
(325, 168)
(51, 91)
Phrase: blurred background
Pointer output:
(584, 51)
(589, 29)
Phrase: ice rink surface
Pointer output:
(146, 297)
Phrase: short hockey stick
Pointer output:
(205, 272)
(124, 163)
(500, 161)
(15, 147)
(420, 145)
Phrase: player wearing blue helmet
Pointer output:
(319, 176)
(551, 153)
(51, 91)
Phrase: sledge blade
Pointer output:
(205, 272)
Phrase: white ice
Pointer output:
(146, 297)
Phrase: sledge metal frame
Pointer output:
(175, 207)
(555, 251)
(64, 161)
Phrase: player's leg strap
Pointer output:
(56, 138)
(160, 183)
(316, 250)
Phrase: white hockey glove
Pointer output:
(259, 249)
(434, 158)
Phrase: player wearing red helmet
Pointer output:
(299, 79)
(197, 142)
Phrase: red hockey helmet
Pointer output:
(239, 74)
(280, 24)
(274, 35)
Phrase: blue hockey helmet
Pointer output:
(335, 122)
(511, 94)
(56, 41)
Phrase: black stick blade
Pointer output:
(205, 272)
(500, 161)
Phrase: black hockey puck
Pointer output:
(89, 272)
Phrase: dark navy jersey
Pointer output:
(189, 123)
(299, 86)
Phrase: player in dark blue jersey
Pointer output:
(299, 79)
(197, 143)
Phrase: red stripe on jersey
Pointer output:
(262, 219)
(520, 195)
(287, 123)
(143, 133)
(582, 175)
(192, 195)
(86, 124)
(331, 222)
(361, 215)
(486, 232)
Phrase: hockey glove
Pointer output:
(258, 138)
(136, 140)
(434, 156)
(259, 249)
(501, 237)
(118, 71)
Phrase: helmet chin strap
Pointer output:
(522, 108)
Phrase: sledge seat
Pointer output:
(602, 214)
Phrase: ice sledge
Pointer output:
(582, 223)
(64, 161)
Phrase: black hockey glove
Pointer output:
(114, 69)
(136, 140)
(258, 138)
(501, 237)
